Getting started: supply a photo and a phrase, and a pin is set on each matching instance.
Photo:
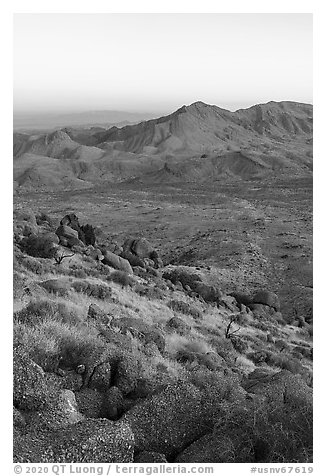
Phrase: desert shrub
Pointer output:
(38, 246)
(37, 311)
(185, 308)
(78, 273)
(41, 347)
(261, 432)
(53, 343)
(151, 292)
(258, 357)
(223, 347)
(285, 362)
(122, 278)
(240, 345)
(35, 266)
(99, 291)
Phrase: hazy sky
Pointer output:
(158, 62)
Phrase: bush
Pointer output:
(99, 291)
(185, 308)
(35, 266)
(54, 344)
(38, 311)
(39, 246)
(122, 278)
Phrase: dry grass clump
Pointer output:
(54, 343)
(38, 311)
(35, 266)
(264, 432)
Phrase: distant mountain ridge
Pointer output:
(199, 142)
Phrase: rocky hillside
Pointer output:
(121, 358)
(197, 143)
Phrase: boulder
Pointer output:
(183, 275)
(101, 377)
(168, 421)
(116, 262)
(207, 292)
(112, 403)
(87, 234)
(134, 260)
(71, 220)
(89, 441)
(60, 413)
(30, 391)
(66, 232)
(268, 299)
(126, 374)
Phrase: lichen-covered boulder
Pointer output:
(30, 390)
(168, 421)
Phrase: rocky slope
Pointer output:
(118, 358)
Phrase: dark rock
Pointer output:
(71, 220)
(126, 375)
(241, 298)
(134, 260)
(29, 386)
(87, 232)
(183, 275)
(101, 377)
(168, 421)
(90, 402)
(267, 298)
(112, 406)
(207, 292)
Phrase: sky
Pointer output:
(158, 62)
